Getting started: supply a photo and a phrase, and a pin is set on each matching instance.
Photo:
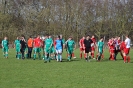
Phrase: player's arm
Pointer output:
(84, 44)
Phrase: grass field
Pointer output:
(78, 73)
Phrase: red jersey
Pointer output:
(122, 46)
(112, 45)
(54, 42)
(94, 41)
(37, 42)
(81, 42)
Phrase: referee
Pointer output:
(87, 47)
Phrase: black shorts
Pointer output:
(87, 50)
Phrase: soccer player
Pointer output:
(81, 47)
(112, 49)
(5, 46)
(17, 46)
(87, 47)
(30, 46)
(127, 49)
(70, 47)
(59, 48)
(37, 47)
(93, 45)
(48, 48)
(100, 48)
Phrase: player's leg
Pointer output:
(6, 52)
(26, 52)
(92, 52)
(3, 49)
(57, 55)
(69, 54)
(89, 54)
(35, 52)
(127, 54)
(19, 53)
(100, 53)
(60, 55)
(39, 52)
(46, 55)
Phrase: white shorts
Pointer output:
(59, 51)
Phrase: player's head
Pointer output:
(38, 36)
(70, 37)
(17, 38)
(30, 36)
(88, 37)
(93, 36)
(60, 36)
(101, 39)
(5, 38)
(119, 38)
(83, 37)
(49, 36)
(127, 36)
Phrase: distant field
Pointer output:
(78, 73)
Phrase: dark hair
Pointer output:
(59, 36)
(88, 35)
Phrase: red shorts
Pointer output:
(82, 49)
(92, 48)
(112, 51)
(126, 50)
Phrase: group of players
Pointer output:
(53, 48)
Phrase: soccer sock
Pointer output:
(69, 56)
(39, 56)
(34, 56)
(26, 55)
(97, 56)
(102, 56)
(84, 55)
(45, 58)
(81, 55)
(113, 57)
(19, 56)
(73, 55)
(128, 59)
(60, 57)
(89, 57)
(92, 55)
(125, 58)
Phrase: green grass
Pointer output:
(78, 73)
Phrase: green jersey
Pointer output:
(48, 42)
(63, 41)
(5, 43)
(17, 43)
(70, 44)
(100, 44)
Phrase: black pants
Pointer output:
(29, 52)
(22, 51)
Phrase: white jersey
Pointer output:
(127, 42)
